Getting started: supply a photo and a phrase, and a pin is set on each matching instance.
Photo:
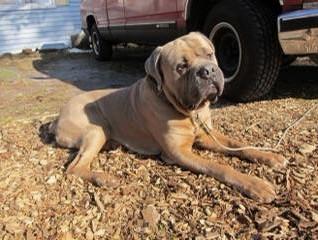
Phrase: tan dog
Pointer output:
(154, 116)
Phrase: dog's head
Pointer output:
(186, 70)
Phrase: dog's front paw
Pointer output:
(258, 189)
(274, 160)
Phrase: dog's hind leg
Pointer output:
(91, 144)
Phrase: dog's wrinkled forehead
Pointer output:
(189, 46)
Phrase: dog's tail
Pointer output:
(52, 127)
(47, 132)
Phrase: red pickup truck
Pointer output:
(251, 37)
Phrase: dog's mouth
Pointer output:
(212, 98)
(200, 97)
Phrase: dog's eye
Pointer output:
(181, 67)
(210, 55)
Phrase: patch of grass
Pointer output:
(7, 75)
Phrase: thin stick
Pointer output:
(207, 130)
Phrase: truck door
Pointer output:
(99, 10)
(116, 16)
(151, 21)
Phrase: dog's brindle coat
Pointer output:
(154, 116)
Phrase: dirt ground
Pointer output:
(154, 201)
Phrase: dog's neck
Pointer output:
(165, 95)
(154, 87)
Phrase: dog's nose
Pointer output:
(205, 72)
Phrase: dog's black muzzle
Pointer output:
(210, 81)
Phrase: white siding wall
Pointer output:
(38, 28)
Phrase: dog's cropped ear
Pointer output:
(152, 67)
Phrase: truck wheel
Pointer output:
(247, 49)
(102, 49)
(288, 60)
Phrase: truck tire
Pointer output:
(245, 38)
(102, 49)
(288, 60)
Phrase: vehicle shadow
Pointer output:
(127, 66)
(296, 81)
(84, 72)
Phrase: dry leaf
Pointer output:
(151, 215)
(307, 148)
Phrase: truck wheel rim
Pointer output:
(228, 49)
(96, 44)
